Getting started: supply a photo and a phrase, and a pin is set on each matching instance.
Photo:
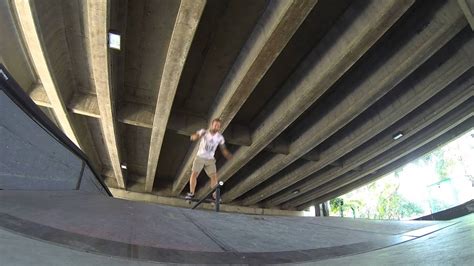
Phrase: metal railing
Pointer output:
(217, 189)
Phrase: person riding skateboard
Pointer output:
(210, 139)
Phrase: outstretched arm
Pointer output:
(197, 135)
(225, 152)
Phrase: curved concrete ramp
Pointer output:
(81, 228)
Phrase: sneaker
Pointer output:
(189, 196)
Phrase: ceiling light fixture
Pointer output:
(114, 40)
(398, 135)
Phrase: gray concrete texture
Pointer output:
(76, 219)
(169, 230)
(447, 250)
(392, 61)
(411, 144)
(30, 157)
(451, 246)
(291, 80)
(454, 95)
(422, 85)
(327, 62)
(354, 180)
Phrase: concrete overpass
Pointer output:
(55, 205)
(311, 93)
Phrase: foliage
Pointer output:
(382, 199)
(396, 207)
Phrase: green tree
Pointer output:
(340, 205)
(396, 207)
(408, 209)
(337, 205)
(354, 206)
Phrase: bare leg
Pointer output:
(213, 183)
(193, 182)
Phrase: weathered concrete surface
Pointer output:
(13, 53)
(38, 94)
(432, 77)
(43, 59)
(335, 54)
(148, 30)
(98, 31)
(391, 68)
(44, 38)
(453, 96)
(187, 21)
(467, 6)
(83, 104)
(313, 29)
(167, 234)
(146, 197)
(30, 158)
(273, 31)
(449, 246)
(379, 167)
(271, 69)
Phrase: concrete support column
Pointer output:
(317, 210)
(325, 208)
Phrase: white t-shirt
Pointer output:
(209, 143)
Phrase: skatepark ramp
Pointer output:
(55, 210)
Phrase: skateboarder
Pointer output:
(210, 139)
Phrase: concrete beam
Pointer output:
(38, 94)
(176, 202)
(452, 134)
(141, 115)
(313, 155)
(134, 114)
(187, 124)
(337, 163)
(432, 77)
(45, 43)
(425, 136)
(84, 104)
(187, 20)
(182, 123)
(273, 31)
(97, 25)
(33, 37)
(13, 53)
(351, 36)
(279, 145)
(400, 53)
(108, 176)
(467, 8)
(434, 109)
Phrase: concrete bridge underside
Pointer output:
(311, 93)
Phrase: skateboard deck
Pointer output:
(195, 200)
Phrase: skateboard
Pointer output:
(195, 200)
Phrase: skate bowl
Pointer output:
(56, 210)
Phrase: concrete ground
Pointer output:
(452, 245)
(80, 228)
